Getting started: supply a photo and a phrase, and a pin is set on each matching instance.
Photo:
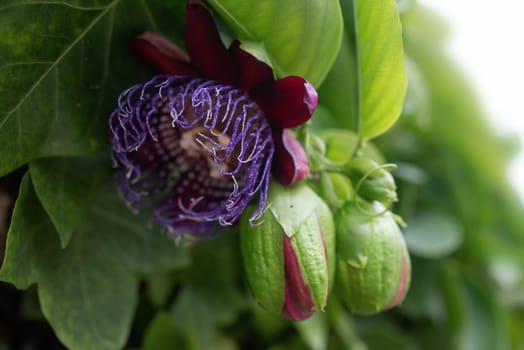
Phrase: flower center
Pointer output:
(196, 149)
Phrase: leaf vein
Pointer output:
(14, 64)
(116, 219)
(234, 19)
(149, 15)
(85, 296)
(107, 59)
(62, 3)
(58, 60)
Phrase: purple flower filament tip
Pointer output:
(194, 149)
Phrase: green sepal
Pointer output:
(291, 206)
(316, 252)
(313, 259)
(261, 247)
(327, 223)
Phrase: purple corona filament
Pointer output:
(194, 149)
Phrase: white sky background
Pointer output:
(487, 40)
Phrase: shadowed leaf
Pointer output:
(62, 66)
(88, 291)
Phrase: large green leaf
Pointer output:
(62, 66)
(339, 91)
(88, 291)
(380, 65)
(66, 187)
(433, 235)
(298, 37)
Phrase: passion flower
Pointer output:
(196, 149)
(289, 257)
(198, 142)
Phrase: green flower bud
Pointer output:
(373, 265)
(289, 257)
(374, 182)
(336, 189)
(315, 149)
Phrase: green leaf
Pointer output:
(61, 70)
(263, 261)
(66, 187)
(339, 91)
(87, 294)
(340, 144)
(380, 62)
(88, 291)
(322, 119)
(433, 235)
(161, 334)
(210, 297)
(159, 286)
(29, 238)
(299, 37)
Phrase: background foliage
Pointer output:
(107, 279)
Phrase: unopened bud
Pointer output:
(289, 257)
(335, 188)
(373, 265)
(374, 182)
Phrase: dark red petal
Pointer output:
(298, 303)
(164, 45)
(287, 102)
(252, 71)
(162, 55)
(208, 53)
(290, 163)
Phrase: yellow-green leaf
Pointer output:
(380, 65)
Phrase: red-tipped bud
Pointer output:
(373, 266)
(289, 257)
